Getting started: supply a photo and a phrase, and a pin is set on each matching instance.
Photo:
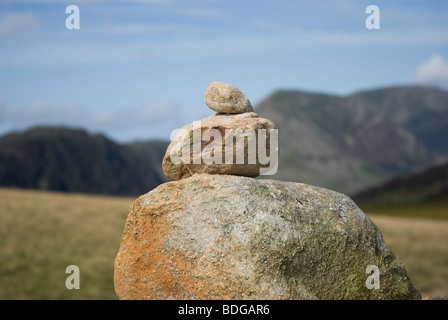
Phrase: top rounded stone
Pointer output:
(226, 98)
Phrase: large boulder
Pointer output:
(229, 237)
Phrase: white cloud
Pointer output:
(144, 115)
(172, 44)
(14, 23)
(43, 112)
(146, 120)
(433, 72)
(2, 111)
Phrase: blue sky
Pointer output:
(138, 69)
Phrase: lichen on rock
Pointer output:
(231, 237)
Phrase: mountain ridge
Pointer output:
(344, 143)
(427, 185)
(72, 160)
(348, 143)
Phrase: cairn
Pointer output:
(233, 141)
(216, 233)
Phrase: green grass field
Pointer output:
(43, 232)
(422, 245)
(434, 209)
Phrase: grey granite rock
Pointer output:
(229, 237)
(226, 98)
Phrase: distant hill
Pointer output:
(347, 144)
(429, 185)
(74, 161)
(358, 141)
(151, 152)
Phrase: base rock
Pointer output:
(230, 237)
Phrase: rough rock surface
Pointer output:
(245, 122)
(226, 98)
(445, 297)
(228, 237)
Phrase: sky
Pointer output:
(138, 69)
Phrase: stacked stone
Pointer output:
(229, 130)
(215, 235)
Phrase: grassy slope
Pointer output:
(434, 209)
(423, 187)
(42, 233)
(422, 245)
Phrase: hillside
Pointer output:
(347, 144)
(151, 152)
(44, 232)
(358, 141)
(74, 161)
(429, 185)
